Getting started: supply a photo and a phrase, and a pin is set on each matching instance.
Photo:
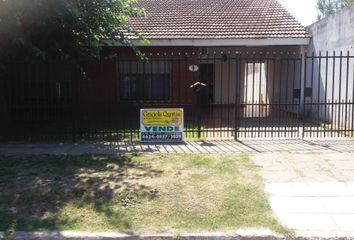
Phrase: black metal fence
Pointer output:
(246, 95)
(328, 95)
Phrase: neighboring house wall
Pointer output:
(331, 79)
(333, 33)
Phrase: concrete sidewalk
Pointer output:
(311, 193)
(246, 146)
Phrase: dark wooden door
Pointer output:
(207, 77)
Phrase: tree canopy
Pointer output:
(64, 29)
(328, 7)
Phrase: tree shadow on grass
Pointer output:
(35, 189)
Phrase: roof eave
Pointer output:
(301, 41)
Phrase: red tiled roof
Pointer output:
(216, 19)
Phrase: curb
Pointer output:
(238, 235)
(69, 235)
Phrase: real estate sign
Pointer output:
(161, 125)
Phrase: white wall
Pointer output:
(333, 34)
(263, 84)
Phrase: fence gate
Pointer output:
(246, 95)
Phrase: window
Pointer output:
(144, 81)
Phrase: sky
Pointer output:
(303, 10)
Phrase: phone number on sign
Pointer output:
(161, 136)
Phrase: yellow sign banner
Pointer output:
(157, 117)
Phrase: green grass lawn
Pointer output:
(142, 193)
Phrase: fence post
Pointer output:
(236, 104)
(302, 91)
(199, 117)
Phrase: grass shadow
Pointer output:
(35, 189)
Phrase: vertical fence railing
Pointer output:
(247, 95)
(329, 92)
(270, 95)
(37, 101)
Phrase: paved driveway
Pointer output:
(311, 193)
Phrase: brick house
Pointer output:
(204, 30)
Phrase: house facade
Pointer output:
(237, 48)
(247, 56)
(208, 34)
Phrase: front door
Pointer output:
(207, 77)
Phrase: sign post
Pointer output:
(161, 125)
